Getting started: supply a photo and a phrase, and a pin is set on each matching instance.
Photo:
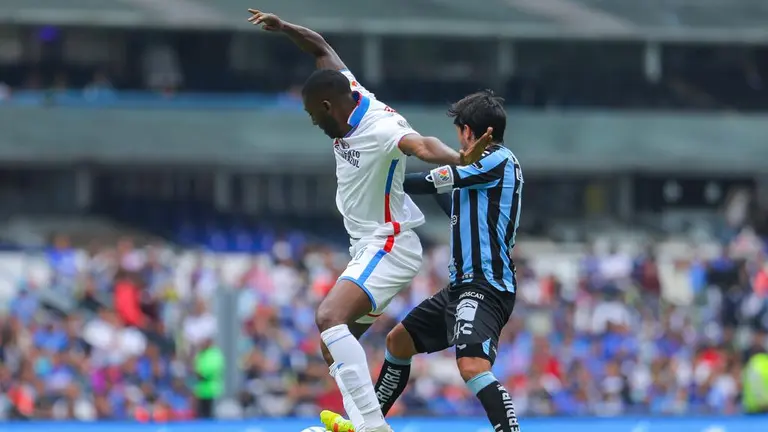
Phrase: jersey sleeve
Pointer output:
(421, 184)
(355, 85)
(481, 175)
(392, 130)
(418, 184)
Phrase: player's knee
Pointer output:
(399, 343)
(327, 317)
(470, 367)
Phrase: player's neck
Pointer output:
(348, 108)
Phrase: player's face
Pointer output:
(465, 136)
(322, 116)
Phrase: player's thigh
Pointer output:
(345, 302)
(384, 270)
(426, 324)
(477, 312)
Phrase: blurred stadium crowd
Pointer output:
(603, 331)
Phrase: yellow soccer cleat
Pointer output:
(336, 422)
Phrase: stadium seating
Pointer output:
(601, 335)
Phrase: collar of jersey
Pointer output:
(363, 103)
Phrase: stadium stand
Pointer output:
(594, 333)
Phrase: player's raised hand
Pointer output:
(474, 152)
(267, 21)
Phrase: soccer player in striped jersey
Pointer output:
(484, 207)
(370, 142)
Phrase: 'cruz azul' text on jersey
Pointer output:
(341, 147)
(484, 219)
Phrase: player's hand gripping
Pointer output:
(474, 152)
(267, 21)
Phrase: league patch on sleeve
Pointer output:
(442, 178)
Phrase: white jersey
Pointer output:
(370, 170)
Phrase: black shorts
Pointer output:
(469, 316)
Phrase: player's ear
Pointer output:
(466, 132)
(327, 105)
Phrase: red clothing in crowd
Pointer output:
(23, 399)
(127, 303)
(761, 283)
(331, 400)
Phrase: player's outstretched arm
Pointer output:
(308, 40)
(429, 149)
(432, 150)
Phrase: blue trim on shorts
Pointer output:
(362, 287)
(371, 266)
(366, 274)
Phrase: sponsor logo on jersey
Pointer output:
(341, 143)
(341, 147)
(472, 294)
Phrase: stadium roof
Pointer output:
(686, 13)
(742, 20)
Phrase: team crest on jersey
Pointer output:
(341, 144)
(390, 110)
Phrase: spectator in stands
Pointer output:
(112, 342)
(199, 326)
(63, 261)
(756, 384)
(209, 367)
(26, 303)
(128, 300)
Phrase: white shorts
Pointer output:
(382, 267)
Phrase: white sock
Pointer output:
(352, 370)
(349, 405)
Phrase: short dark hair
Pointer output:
(326, 83)
(480, 111)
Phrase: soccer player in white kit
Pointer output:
(370, 141)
